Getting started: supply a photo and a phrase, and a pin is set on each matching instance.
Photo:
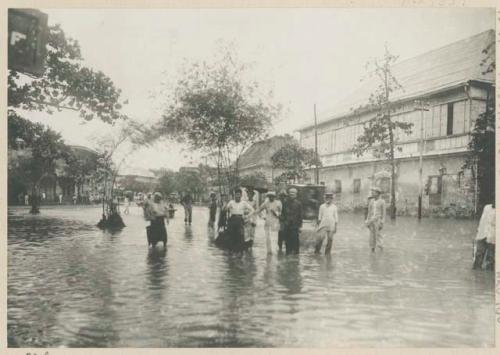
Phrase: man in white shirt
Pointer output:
(484, 243)
(327, 224)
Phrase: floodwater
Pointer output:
(72, 285)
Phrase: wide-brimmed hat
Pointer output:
(328, 194)
(212, 193)
(271, 193)
(376, 189)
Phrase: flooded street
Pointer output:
(72, 285)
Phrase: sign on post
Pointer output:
(27, 40)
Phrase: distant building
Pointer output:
(451, 80)
(257, 158)
(136, 176)
(56, 184)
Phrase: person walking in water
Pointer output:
(238, 210)
(187, 203)
(292, 219)
(251, 220)
(273, 208)
(328, 219)
(212, 210)
(375, 219)
(281, 234)
(156, 212)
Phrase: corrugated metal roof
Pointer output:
(443, 67)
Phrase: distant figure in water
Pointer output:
(212, 210)
(187, 203)
(375, 219)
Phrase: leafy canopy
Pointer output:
(378, 132)
(66, 84)
(213, 107)
(294, 159)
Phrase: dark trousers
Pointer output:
(281, 238)
(485, 255)
(188, 212)
(292, 240)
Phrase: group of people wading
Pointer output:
(283, 220)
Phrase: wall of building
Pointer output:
(449, 189)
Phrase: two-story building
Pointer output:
(452, 83)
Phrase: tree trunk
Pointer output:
(35, 201)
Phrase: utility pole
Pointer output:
(316, 144)
(421, 108)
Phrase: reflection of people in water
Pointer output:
(289, 274)
(157, 270)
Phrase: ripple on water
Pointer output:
(70, 284)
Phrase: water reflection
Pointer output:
(70, 284)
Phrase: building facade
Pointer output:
(451, 82)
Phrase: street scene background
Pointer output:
(371, 127)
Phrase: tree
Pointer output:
(80, 168)
(45, 147)
(214, 110)
(167, 182)
(66, 84)
(108, 147)
(379, 131)
(294, 159)
(257, 179)
(481, 157)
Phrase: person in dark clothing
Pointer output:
(281, 233)
(292, 219)
(187, 203)
(212, 208)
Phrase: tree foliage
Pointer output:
(294, 160)
(44, 148)
(379, 131)
(213, 109)
(66, 84)
(481, 157)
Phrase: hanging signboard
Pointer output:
(27, 40)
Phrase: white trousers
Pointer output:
(271, 238)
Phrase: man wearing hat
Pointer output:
(375, 218)
(272, 225)
(327, 223)
(281, 234)
(292, 219)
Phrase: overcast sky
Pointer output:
(306, 56)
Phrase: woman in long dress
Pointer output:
(156, 212)
(238, 210)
